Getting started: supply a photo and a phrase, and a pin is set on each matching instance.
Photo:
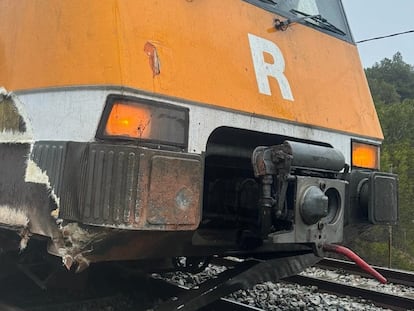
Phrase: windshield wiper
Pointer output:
(319, 20)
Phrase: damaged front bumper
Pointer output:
(114, 187)
(81, 194)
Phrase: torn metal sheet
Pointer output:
(81, 194)
(12, 217)
(35, 174)
(77, 241)
(14, 125)
(25, 191)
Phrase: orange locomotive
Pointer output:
(153, 129)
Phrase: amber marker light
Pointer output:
(365, 155)
(145, 121)
(128, 120)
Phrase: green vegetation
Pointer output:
(392, 86)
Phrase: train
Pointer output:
(173, 131)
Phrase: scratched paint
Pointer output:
(153, 58)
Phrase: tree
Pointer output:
(391, 80)
(392, 86)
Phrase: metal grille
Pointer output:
(110, 188)
(49, 156)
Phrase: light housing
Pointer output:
(130, 118)
(365, 155)
(373, 197)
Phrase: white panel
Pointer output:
(64, 115)
(74, 114)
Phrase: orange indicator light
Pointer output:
(365, 155)
(147, 122)
(129, 120)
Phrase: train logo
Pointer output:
(264, 70)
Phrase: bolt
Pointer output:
(320, 225)
(322, 185)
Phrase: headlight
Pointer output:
(137, 119)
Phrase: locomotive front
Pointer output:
(140, 130)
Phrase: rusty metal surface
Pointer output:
(136, 188)
(131, 187)
(174, 192)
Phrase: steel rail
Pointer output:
(392, 275)
(381, 299)
(230, 305)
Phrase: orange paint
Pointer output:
(203, 49)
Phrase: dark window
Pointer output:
(331, 11)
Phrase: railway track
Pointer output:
(126, 293)
(381, 299)
(392, 275)
(222, 304)
(174, 291)
(227, 304)
(378, 297)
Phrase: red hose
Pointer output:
(355, 258)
